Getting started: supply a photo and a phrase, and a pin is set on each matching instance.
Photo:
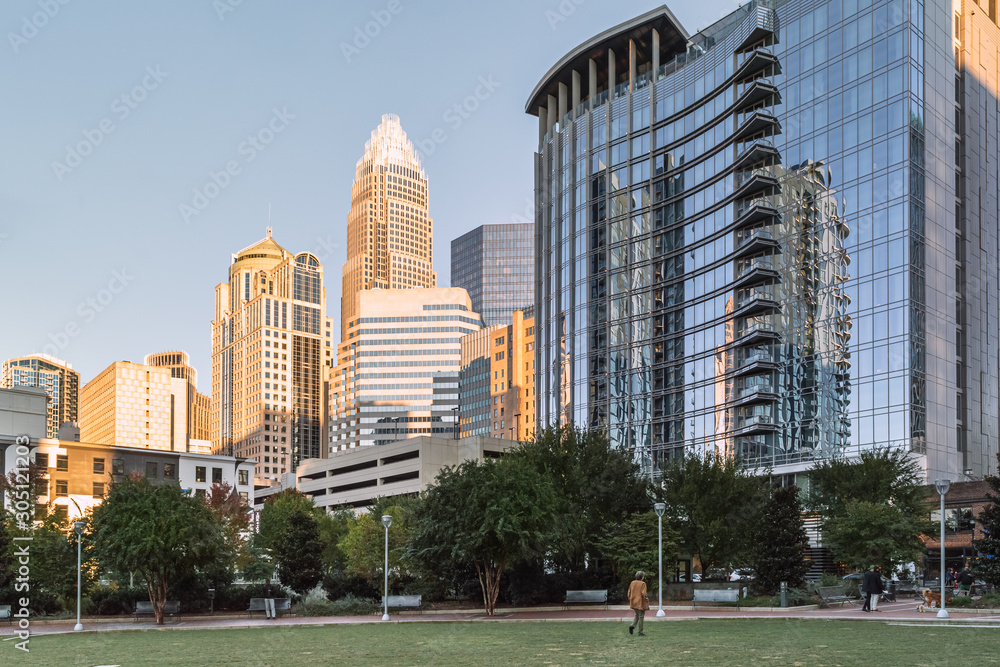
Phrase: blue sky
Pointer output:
(116, 112)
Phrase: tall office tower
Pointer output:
(771, 238)
(389, 228)
(270, 346)
(496, 265)
(57, 377)
(134, 405)
(497, 380)
(178, 363)
(399, 366)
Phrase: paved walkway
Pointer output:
(899, 612)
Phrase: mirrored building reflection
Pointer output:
(765, 239)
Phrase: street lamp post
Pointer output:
(660, 508)
(386, 521)
(78, 527)
(942, 486)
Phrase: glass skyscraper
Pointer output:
(495, 264)
(776, 237)
(57, 377)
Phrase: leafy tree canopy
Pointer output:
(712, 503)
(299, 554)
(779, 542)
(489, 514)
(863, 533)
(876, 476)
(987, 566)
(635, 546)
(156, 531)
(596, 486)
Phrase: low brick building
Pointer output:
(962, 506)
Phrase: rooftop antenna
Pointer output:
(269, 220)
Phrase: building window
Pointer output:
(98, 466)
(42, 460)
(98, 490)
(245, 496)
(118, 466)
(61, 512)
(244, 477)
(62, 462)
(43, 487)
(151, 470)
(169, 471)
(216, 475)
(199, 493)
(199, 474)
(62, 488)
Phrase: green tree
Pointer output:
(596, 487)
(299, 555)
(364, 546)
(987, 565)
(156, 531)
(488, 514)
(779, 542)
(864, 533)
(712, 503)
(874, 508)
(635, 546)
(233, 516)
(277, 509)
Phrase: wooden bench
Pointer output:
(830, 594)
(398, 601)
(5, 614)
(145, 608)
(715, 595)
(258, 604)
(587, 597)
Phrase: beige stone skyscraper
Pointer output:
(270, 348)
(389, 228)
(179, 365)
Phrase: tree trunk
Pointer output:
(158, 597)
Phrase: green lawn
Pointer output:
(722, 642)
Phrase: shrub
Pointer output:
(337, 584)
(115, 600)
(350, 605)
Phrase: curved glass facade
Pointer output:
(732, 246)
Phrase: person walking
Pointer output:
(965, 581)
(638, 601)
(268, 600)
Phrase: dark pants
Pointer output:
(868, 602)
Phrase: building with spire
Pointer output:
(389, 229)
(270, 346)
(57, 377)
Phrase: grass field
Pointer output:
(722, 642)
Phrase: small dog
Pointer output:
(931, 600)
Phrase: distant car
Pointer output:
(696, 577)
(741, 574)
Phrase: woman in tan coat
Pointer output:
(638, 601)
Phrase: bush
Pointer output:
(236, 597)
(990, 601)
(796, 597)
(115, 600)
(338, 584)
(350, 605)
(962, 602)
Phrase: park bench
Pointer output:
(587, 597)
(403, 601)
(830, 594)
(280, 604)
(145, 608)
(715, 595)
(5, 614)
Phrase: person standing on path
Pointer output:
(268, 600)
(638, 601)
(871, 586)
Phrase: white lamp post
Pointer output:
(386, 521)
(78, 527)
(660, 508)
(942, 486)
